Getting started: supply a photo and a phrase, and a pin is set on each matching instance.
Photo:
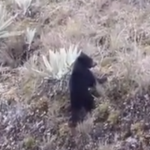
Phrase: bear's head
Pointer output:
(86, 61)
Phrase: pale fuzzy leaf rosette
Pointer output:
(24, 4)
(5, 22)
(30, 33)
(54, 67)
(58, 63)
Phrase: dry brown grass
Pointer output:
(115, 33)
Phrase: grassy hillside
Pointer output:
(34, 111)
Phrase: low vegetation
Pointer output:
(39, 41)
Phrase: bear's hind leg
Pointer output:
(89, 104)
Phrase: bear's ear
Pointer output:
(83, 55)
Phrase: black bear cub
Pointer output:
(80, 81)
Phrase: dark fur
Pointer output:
(81, 80)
